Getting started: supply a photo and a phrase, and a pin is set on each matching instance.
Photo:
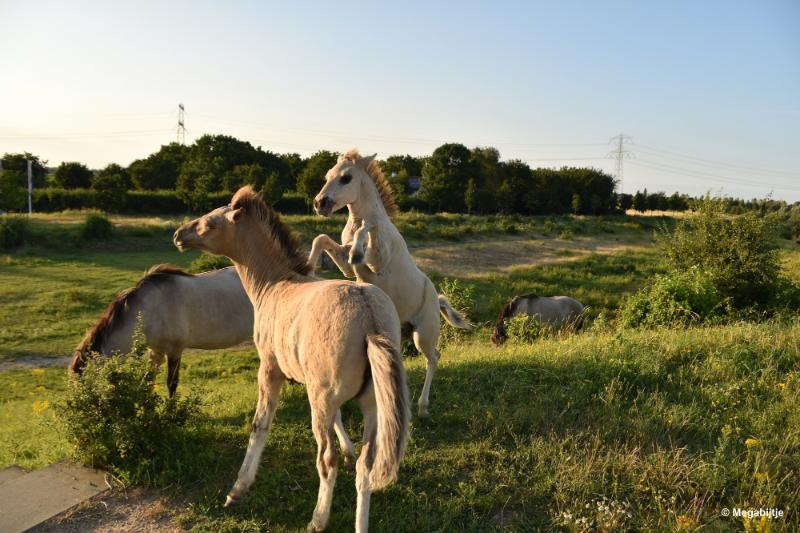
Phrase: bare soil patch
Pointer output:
(140, 511)
(478, 258)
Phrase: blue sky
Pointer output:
(708, 91)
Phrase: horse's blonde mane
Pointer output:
(381, 183)
(254, 205)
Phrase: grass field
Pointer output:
(605, 430)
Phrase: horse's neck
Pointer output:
(261, 266)
(368, 207)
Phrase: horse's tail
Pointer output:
(499, 333)
(452, 316)
(387, 444)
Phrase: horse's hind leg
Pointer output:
(346, 444)
(270, 379)
(365, 459)
(426, 336)
(323, 415)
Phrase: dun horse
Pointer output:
(553, 311)
(340, 338)
(179, 310)
(373, 251)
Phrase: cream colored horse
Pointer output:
(373, 251)
(340, 338)
(179, 310)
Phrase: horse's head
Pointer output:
(342, 184)
(77, 362)
(216, 231)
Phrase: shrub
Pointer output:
(525, 329)
(13, 232)
(737, 252)
(462, 298)
(97, 226)
(674, 299)
(206, 262)
(114, 417)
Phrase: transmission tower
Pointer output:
(181, 125)
(620, 153)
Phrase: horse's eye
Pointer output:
(344, 180)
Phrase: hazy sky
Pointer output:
(708, 91)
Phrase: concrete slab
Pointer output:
(12, 472)
(32, 498)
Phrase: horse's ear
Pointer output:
(363, 162)
(235, 214)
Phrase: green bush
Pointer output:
(114, 418)
(674, 299)
(738, 253)
(206, 262)
(97, 227)
(525, 329)
(13, 232)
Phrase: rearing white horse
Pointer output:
(373, 251)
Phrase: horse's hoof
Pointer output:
(423, 413)
(230, 500)
(312, 528)
(350, 462)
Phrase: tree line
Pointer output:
(454, 178)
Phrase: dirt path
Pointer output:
(32, 361)
(478, 258)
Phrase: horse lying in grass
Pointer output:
(373, 251)
(340, 338)
(554, 311)
(179, 310)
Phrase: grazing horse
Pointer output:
(339, 338)
(553, 311)
(179, 310)
(373, 251)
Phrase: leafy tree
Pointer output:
(72, 175)
(121, 172)
(18, 165)
(447, 172)
(576, 203)
(111, 190)
(159, 170)
(520, 196)
(312, 178)
(506, 198)
(640, 201)
(294, 164)
(625, 201)
(12, 194)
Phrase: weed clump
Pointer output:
(97, 227)
(14, 231)
(462, 298)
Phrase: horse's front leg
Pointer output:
(270, 379)
(337, 252)
(357, 251)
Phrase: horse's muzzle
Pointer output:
(323, 207)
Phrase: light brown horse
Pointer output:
(178, 311)
(553, 311)
(340, 338)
